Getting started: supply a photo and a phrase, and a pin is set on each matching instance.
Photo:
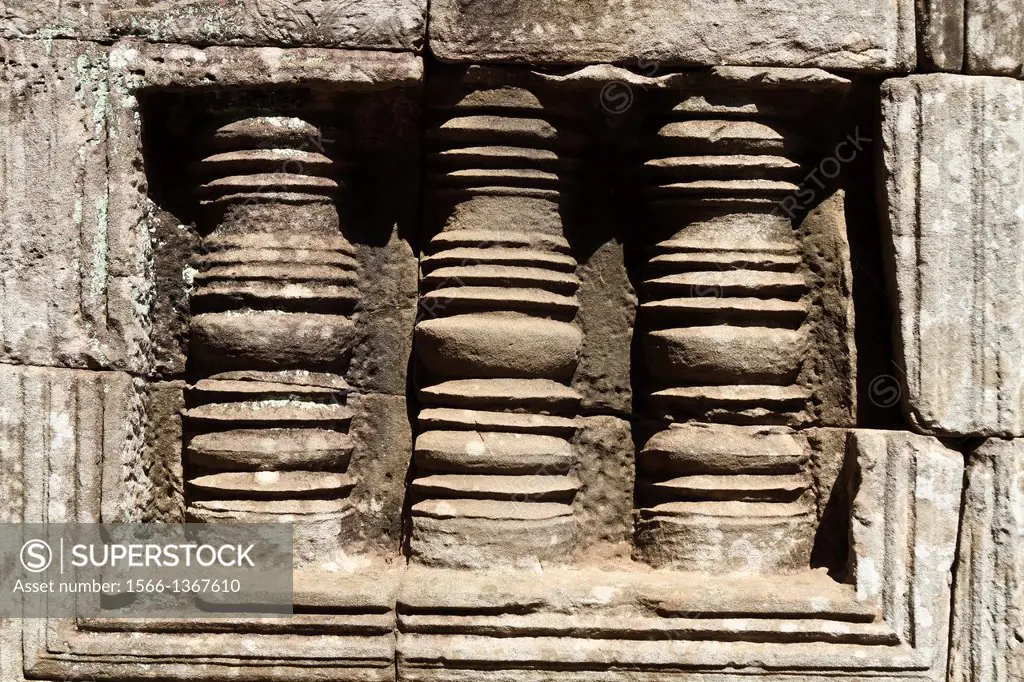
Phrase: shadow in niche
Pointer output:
(832, 548)
(879, 376)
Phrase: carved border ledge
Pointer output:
(901, 559)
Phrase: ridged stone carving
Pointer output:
(497, 345)
(274, 286)
(726, 337)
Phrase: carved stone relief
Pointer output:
(729, 319)
(552, 364)
(271, 334)
(498, 344)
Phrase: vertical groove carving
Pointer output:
(498, 345)
(274, 288)
(725, 313)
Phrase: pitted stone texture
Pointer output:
(954, 178)
(52, 18)
(383, 24)
(988, 607)
(73, 286)
(603, 450)
(875, 36)
(137, 64)
(383, 440)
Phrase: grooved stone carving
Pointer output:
(497, 344)
(245, 415)
(542, 338)
(988, 612)
(592, 624)
(274, 286)
(728, 318)
(954, 173)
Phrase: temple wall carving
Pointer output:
(572, 341)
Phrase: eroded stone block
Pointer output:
(48, 19)
(953, 166)
(654, 34)
(73, 287)
(940, 35)
(981, 37)
(988, 607)
(387, 24)
(523, 335)
(994, 37)
(58, 422)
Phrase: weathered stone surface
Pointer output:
(164, 495)
(979, 37)
(73, 287)
(605, 468)
(593, 624)
(877, 36)
(607, 314)
(46, 19)
(386, 188)
(499, 333)
(488, 504)
(390, 24)
(380, 460)
(940, 35)
(954, 175)
(396, 25)
(58, 421)
(988, 606)
(137, 64)
(747, 310)
(826, 250)
(994, 41)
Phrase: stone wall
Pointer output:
(587, 341)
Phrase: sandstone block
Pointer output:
(954, 177)
(71, 446)
(940, 35)
(875, 37)
(52, 19)
(988, 606)
(392, 24)
(971, 36)
(993, 39)
(73, 283)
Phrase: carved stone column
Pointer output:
(497, 342)
(274, 286)
(729, 320)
